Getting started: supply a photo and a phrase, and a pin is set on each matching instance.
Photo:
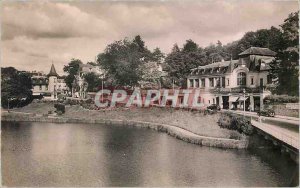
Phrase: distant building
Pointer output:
(79, 86)
(224, 82)
(48, 86)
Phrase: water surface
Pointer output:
(47, 154)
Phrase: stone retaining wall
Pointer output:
(174, 131)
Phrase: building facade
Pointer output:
(232, 83)
(48, 86)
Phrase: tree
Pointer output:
(285, 68)
(15, 86)
(93, 81)
(179, 62)
(157, 55)
(122, 61)
(72, 69)
(190, 46)
(151, 75)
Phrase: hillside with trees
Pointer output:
(283, 40)
(130, 62)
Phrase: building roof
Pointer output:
(39, 81)
(258, 51)
(218, 64)
(52, 71)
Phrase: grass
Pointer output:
(205, 125)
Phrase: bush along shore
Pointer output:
(236, 122)
(192, 127)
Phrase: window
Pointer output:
(261, 83)
(227, 81)
(46, 87)
(40, 87)
(197, 83)
(241, 79)
(223, 82)
(218, 82)
(191, 83)
(213, 101)
(252, 81)
(202, 82)
(211, 82)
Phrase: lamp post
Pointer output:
(244, 91)
(8, 104)
(102, 85)
(102, 90)
(173, 82)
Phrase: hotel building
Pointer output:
(230, 83)
(48, 86)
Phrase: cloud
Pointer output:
(36, 33)
(49, 20)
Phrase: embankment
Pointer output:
(174, 131)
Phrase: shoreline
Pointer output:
(177, 132)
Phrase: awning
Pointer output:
(243, 98)
(233, 99)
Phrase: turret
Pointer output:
(52, 81)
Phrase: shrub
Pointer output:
(236, 122)
(89, 101)
(59, 113)
(276, 99)
(59, 108)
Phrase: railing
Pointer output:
(286, 138)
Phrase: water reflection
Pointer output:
(46, 154)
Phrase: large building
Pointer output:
(48, 86)
(230, 83)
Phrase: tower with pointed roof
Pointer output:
(52, 71)
(52, 81)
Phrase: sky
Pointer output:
(36, 33)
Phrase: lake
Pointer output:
(49, 154)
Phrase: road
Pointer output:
(283, 128)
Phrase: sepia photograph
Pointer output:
(149, 93)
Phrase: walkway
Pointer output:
(283, 128)
(287, 136)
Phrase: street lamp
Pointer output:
(102, 85)
(8, 104)
(244, 91)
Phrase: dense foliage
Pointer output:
(93, 81)
(123, 61)
(15, 88)
(60, 108)
(275, 99)
(71, 69)
(236, 122)
(286, 68)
